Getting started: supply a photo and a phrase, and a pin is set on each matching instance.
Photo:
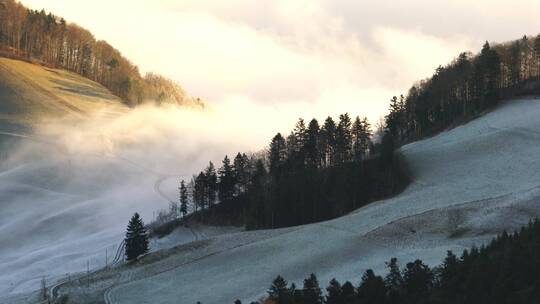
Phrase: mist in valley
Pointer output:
(68, 189)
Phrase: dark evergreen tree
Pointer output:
(241, 173)
(312, 145)
(334, 295)
(343, 151)
(372, 289)
(312, 293)
(357, 134)
(199, 191)
(348, 293)
(394, 281)
(136, 241)
(183, 198)
(211, 184)
(226, 181)
(277, 154)
(278, 292)
(365, 137)
(328, 142)
(417, 282)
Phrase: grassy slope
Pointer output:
(30, 94)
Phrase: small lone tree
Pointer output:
(136, 238)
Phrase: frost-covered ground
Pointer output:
(469, 184)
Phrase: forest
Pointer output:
(504, 271)
(43, 38)
(465, 88)
(315, 173)
(320, 172)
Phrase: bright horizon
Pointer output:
(295, 59)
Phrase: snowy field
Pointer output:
(469, 184)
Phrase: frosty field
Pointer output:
(468, 184)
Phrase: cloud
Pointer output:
(295, 55)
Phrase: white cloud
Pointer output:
(301, 57)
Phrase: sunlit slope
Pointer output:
(30, 94)
(469, 184)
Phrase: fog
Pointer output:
(68, 189)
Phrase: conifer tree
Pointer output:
(365, 138)
(241, 173)
(226, 181)
(199, 191)
(393, 280)
(417, 280)
(312, 292)
(348, 293)
(136, 240)
(334, 293)
(343, 139)
(277, 154)
(328, 142)
(311, 145)
(183, 198)
(357, 130)
(211, 184)
(372, 289)
(278, 291)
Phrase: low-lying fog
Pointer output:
(68, 190)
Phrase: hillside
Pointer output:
(469, 184)
(31, 94)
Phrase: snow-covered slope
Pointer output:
(469, 184)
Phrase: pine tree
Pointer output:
(278, 290)
(211, 184)
(372, 289)
(417, 280)
(183, 198)
(334, 293)
(199, 191)
(311, 145)
(365, 139)
(357, 130)
(328, 142)
(240, 173)
(343, 139)
(226, 181)
(277, 154)
(348, 293)
(393, 281)
(136, 240)
(312, 293)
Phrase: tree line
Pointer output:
(42, 37)
(466, 87)
(314, 173)
(504, 271)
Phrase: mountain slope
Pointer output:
(469, 184)
(31, 94)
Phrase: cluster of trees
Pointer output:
(43, 37)
(315, 173)
(464, 88)
(136, 240)
(504, 271)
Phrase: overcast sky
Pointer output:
(286, 59)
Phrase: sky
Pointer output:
(278, 60)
